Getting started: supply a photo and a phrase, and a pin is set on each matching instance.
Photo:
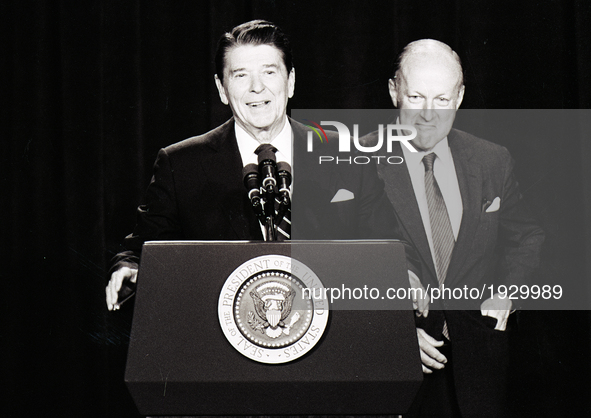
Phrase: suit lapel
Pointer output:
(470, 182)
(225, 167)
(313, 187)
(398, 186)
(304, 162)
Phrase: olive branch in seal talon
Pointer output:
(255, 324)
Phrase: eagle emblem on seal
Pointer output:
(272, 302)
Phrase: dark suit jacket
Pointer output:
(492, 248)
(197, 193)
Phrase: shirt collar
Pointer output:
(247, 144)
(441, 150)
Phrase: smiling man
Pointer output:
(256, 83)
(197, 190)
(461, 208)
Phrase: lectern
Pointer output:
(226, 328)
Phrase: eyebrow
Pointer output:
(417, 93)
(237, 70)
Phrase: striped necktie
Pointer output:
(441, 231)
(284, 227)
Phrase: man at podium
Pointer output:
(197, 191)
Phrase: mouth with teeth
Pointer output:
(258, 104)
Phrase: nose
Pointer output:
(427, 112)
(256, 85)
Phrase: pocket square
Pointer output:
(342, 195)
(495, 205)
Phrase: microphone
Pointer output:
(251, 181)
(284, 178)
(284, 197)
(267, 166)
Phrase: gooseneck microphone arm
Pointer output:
(268, 171)
(252, 183)
(284, 180)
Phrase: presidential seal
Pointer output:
(268, 309)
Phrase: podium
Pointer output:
(365, 362)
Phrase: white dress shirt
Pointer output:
(247, 145)
(445, 175)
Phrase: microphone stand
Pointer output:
(268, 172)
(269, 210)
(284, 195)
(262, 196)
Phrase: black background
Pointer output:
(91, 90)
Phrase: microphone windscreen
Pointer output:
(267, 154)
(250, 175)
(283, 166)
(249, 169)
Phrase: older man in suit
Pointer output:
(197, 191)
(460, 207)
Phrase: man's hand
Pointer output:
(117, 278)
(499, 308)
(420, 302)
(430, 355)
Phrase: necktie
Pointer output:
(284, 227)
(265, 148)
(282, 213)
(441, 231)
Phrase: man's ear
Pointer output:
(221, 90)
(291, 83)
(460, 97)
(393, 91)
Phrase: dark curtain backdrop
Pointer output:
(91, 90)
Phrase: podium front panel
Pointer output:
(180, 363)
